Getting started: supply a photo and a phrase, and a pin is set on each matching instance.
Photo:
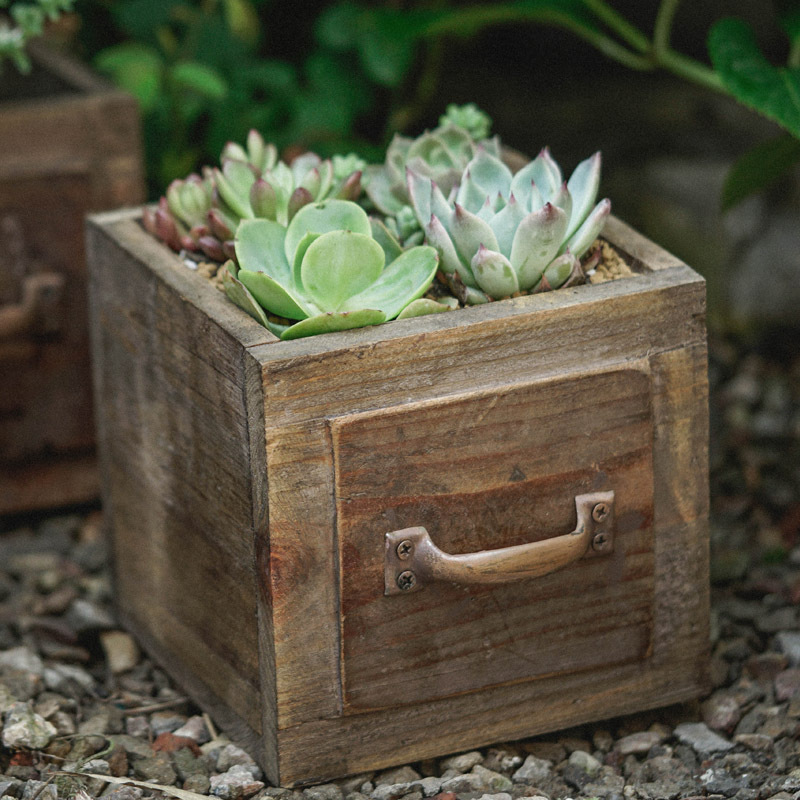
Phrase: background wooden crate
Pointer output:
(69, 144)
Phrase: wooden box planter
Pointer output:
(69, 144)
(250, 485)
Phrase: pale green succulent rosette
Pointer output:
(440, 154)
(327, 270)
(499, 234)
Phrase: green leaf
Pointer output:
(750, 78)
(274, 297)
(240, 295)
(335, 321)
(242, 19)
(136, 68)
(421, 308)
(405, 279)
(140, 18)
(788, 13)
(385, 238)
(199, 78)
(339, 265)
(758, 168)
(337, 26)
(387, 47)
(259, 248)
(329, 215)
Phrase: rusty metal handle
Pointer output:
(413, 560)
(37, 313)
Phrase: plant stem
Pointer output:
(621, 26)
(794, 54)
(689, 69)
(662, 30)
(468, 21)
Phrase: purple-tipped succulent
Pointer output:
(203, 213)
(498, 234)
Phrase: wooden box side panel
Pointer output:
(676, 669)
(174, 442)
(565, 335)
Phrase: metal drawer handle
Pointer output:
(37, 314)
(413, 560)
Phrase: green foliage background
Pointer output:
(343, 75)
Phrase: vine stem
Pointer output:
(621, 26)
(651, 55)
(794, 54)
(662, 30)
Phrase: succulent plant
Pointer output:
(499, 234)
(332, 269)
(475, 122)
(202, 213)
(440, 154)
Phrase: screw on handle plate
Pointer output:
(412, 560)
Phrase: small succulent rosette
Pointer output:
(330, 269)
(201, 214)
(498, 234)
(440, 154)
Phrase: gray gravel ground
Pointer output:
(77, 696)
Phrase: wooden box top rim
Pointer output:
(659, 270)
(80, 80)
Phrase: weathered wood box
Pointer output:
(69, 144)
(250, 485)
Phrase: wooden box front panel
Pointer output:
(481, 472)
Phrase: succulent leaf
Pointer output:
(469, 232)
(299, 255)
(471, 195)
(239, 294)
(505, 223)
(494, 273)
(300, 197)
(449, 260)
(421, 308)
(583, 185)
(330, 215)
(582, 239)
(490, 174)
(386, 239)
(263, 199)
(338, 266)
(274, 297)
(559, 269)
(260, 248)
(404, 280)
(536, 243)
(233, 183)
(381, 190)
(333, 321)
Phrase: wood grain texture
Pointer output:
(63, 156)
(175, 446)
(514, 461)
(454, 421)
